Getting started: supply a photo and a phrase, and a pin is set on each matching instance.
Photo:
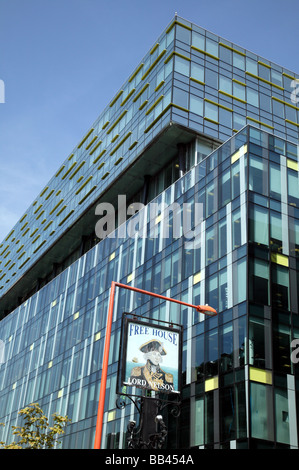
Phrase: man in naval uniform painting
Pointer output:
(151, 375)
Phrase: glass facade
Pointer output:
(239, 383)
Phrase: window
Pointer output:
(239, 91)
(212, 47)
(252, 97)
(196, 105)
(239, 281)
(197, 415)
(182, 66)
(258, 225)
(251, 66)
(265, 103)
(211, 111)
(293, 188)
(211, 352)
(275, 180)
(236, 228)
(276, 77)
(183, 34)
(282, 416)
(264, 72)
(223, 304)
(280, 287)
(211, 78)
(275, 231)
(226, 347)
(211, 246)
(225, 117)
(225, 84)
(198, 40)
(239, 61)
(180, 97)
(197, 72)
(222, 238)
(262, 426)
(278, 109)
(259, 281)
(224, 188)
(258, 180)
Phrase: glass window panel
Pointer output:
(227, 413)
(240, 338)
(198, 358)
(198, 40)
(259, 281)
(265, 102)
(197, 412)
(278, 109)
(212, 291)
(225, 55)
(236, 228)
(240, 277)
(275, 181)
(276, 77)
(238, 121)
(211, 79)
(170, 37)
(258, 225)
(280, 287)
(225, 84)
(294, 237)
(282, 416)
(293, 187)
(225, 117)
(258, 178)
(211, 111)
(261, 411)
(224, 188)
(291, 113)
(223, 290)
(197, 72)
(212, 47)
(238, 61)
(226, 347)
(168, 68)
(182, 66)
(211, 352)
(222, 238)
(235, 179)
(251, 65)
(211, 247)
(275, 231)
(282, 344)
(183, 34)
(239, 91)
(252, 97)
(180, 97)
(264, 72)
(196, 105)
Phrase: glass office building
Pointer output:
(200, 120)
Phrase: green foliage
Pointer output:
(36, 432)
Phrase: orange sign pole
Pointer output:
(205, 309)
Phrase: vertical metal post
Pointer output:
(101, 405)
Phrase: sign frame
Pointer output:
(159, 325)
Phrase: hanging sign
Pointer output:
(151, 356)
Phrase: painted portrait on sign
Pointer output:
(152, 357)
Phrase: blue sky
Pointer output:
(62, 61)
